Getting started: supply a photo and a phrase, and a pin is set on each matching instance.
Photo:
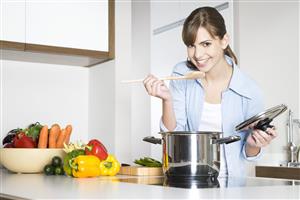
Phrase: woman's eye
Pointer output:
(191, 46)
(206, 44)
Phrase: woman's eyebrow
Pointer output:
(205, 41)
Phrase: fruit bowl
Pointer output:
(28, 160)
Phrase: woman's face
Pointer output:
(206, 52)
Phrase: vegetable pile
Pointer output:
(81, 160)
(90, 160)
(38, 136)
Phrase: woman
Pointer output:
(221, 100)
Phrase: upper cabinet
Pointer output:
(74, 28)
(73, 24)
(12, 20)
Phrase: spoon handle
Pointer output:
(173, 78)
(161, 78)
(133, 81)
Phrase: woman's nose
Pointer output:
(199, 52)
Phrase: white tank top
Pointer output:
(211, 120)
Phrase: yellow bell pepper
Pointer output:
(110, 166)
(85, 166)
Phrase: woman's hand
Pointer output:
(259, 138)
(157, 88)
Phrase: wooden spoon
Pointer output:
(190, 75)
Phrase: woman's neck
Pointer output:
(221, 73)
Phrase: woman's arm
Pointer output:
(173, 103)
(168, 116)
(157, 88)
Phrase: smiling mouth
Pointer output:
(202, 62)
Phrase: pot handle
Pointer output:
(152, 140)
(227, 140)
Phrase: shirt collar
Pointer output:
(238, 82)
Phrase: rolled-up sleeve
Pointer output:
(252, 158)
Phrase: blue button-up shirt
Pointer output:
(240, 101)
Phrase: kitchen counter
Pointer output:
(39, 186)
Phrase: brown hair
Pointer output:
(210, 19)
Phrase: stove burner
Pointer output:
(188, 172)
(192, 182)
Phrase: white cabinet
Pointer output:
(12, 20)
(82, 30)
(71, 24)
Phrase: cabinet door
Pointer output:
(74, 24)
(12, 20)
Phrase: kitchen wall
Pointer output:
(110, 102)
(141, 66)
(102, 103)
(42, 92)
(268, 48)
(119, 113)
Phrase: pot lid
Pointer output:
(264, 118)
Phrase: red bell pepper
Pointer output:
(96, 148)
(23, 141)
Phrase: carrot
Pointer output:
(61, 139)
(53, 135)
(68, 133)
(43, 138)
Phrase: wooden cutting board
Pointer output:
(141, 171)
(148, 180)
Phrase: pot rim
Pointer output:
(191, 133)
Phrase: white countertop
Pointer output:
(39, 186)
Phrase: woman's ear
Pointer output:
(225, 41)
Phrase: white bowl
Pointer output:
(28, 160)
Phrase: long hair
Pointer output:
(210, 19)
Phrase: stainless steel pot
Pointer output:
(191, 155)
